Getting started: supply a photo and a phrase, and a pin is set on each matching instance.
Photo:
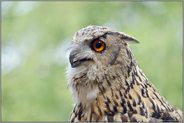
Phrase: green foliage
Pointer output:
(36, 89)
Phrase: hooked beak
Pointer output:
(75, 60)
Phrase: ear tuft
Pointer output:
(125, 37)
(129, 39)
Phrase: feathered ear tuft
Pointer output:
(125, 37)
(129, 39)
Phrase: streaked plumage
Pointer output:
(109, 85)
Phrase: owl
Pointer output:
(108, 85)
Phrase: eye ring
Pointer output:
(98, 45)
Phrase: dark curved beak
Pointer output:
(72, 57)
(75, 61)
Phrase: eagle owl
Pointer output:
(108, 85)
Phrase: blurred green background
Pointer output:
(35, 36)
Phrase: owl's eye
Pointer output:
(98, 45)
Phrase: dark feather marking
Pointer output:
(129, 106)
(124, 118)
(156, 115)
(130, 114)
(112, 92)
(125, 96)
(110, 118)
(158, 110)
(139, 99)
(108, 100)
(100, 112)
(101, 90)
(130, 97)
(142, 111)
(133, 119)
(115, 102)
(142, 92)
(109, 112)
(167, 117)
(123, 100)
(130, 67)
(128, 53)
(115, 56)
(124, 108)
(80, 112)
(140, 79)
(120, 94)
(134, 103)
(153, 105)
(135, 72)
(161, 101)
(137, 83)
(108, 81)
(90, 118)
(73, 118)
(134, 111)
(116, 96)
(128, 88)
(115, 108)
(107, 106)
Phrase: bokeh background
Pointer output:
(36, 35)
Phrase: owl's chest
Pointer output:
(118, 105)
(110, 106)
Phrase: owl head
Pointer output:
(97, 53)
(97, 46)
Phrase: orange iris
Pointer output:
(98, 45)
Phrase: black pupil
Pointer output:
(98, 45)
